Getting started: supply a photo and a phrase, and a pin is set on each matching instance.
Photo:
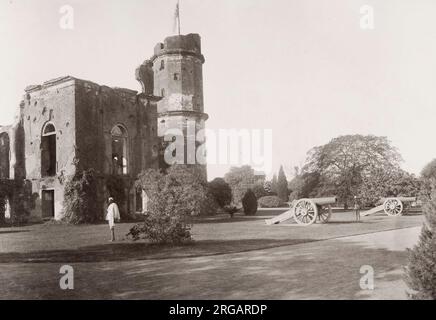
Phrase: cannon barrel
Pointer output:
(402, 199)
(324, 201)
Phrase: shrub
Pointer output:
(421, 269)
(220, 190)
(161, 229)
(271, 202)
(173, 198)
(249, 203)
(80, 196)
(428, 180)
(209, 206)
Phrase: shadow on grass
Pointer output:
(415, 213)
(131, 251)
(13, 231)
(226, 220)
(349, 222)
(19, 225)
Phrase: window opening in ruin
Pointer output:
(48, 151)
(162, 64)
(4, 156)
(119, 150)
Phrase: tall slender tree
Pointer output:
(282, 185)
(274, 184)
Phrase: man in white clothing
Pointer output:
(113, 214)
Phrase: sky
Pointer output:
(303, 68)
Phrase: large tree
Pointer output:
(240, 180)
(388, 184)
(346, 162)
(220, 191)
(304, 185)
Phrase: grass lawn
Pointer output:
(215, 235)
(231, 258)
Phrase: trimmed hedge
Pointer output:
(249, 203)
(271, 202)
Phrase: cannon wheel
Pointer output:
(305, 212)
(324, 214)
(393, 207)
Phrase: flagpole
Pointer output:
(178, 8)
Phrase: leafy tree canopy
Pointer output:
(240, 180)
(220, 191)
(174, 198)
(350, 164)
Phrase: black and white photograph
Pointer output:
(217, 150)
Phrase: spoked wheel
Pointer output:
(324, 214)
(305, 212)
(393, 207)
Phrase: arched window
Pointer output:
(49, 129)
(48, 150)
(119, 150)
(162, 65)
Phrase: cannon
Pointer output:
(307, 211)
(393, 206)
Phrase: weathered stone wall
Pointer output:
(53, 102)
(99, 109)
(84, 114)
(178, 79)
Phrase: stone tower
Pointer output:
(177, 69)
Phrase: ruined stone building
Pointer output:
(68, 124)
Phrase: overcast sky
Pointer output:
(303, 68)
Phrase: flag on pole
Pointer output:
(177, 18)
